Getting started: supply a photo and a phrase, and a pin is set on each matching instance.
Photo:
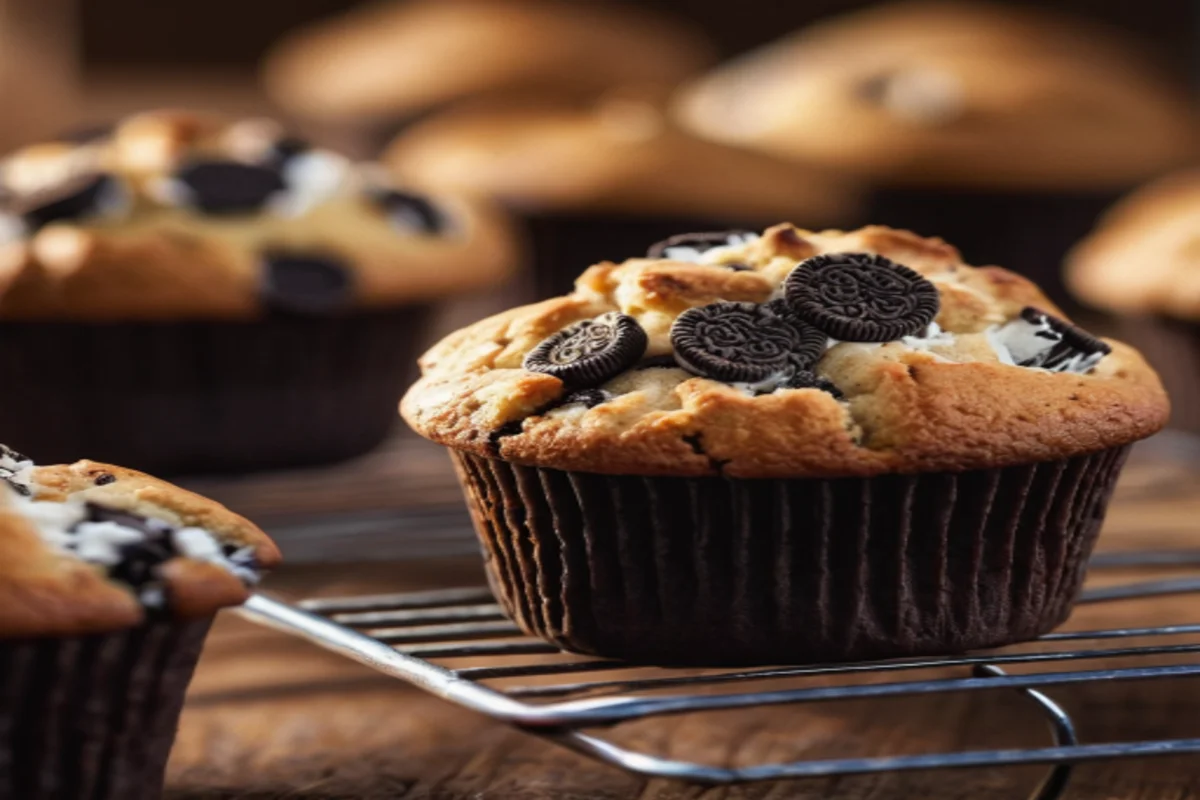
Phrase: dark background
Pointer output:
(234, 33)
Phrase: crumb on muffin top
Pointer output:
(89, 547)
(790, 354)
(172, 215)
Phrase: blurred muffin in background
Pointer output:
(1006, 130)
(191, 294)
(385, 63)
(1143, 264)
(595, 182)
(109, 583)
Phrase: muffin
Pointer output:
(798, 447)
(110, 581)
(1008, 130)
(602, 180)
(386, 63)
(1142, 264)
(189, 294)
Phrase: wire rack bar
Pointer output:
(402, 634)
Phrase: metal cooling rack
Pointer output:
(420, 637)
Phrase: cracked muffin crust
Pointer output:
(90, 548)
(174, 215)
(950, 396)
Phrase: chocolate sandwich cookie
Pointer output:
(856, 297)
(590, 352)
(744, 342)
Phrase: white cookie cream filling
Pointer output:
(1018, 343)
(932, 337)
(68, 528)
(1031, 345)
(312, 177)
(767, 385)
(1024, 340)
(16, 470)
(710, 255)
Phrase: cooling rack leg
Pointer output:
(1061, 728)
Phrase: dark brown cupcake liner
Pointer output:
(177, 397)
(1027, 232)
(564, 245)
(713, 571)
(1173, 348)
(94, 716)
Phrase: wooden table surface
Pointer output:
(272, 718)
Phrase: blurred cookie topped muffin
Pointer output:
(787, 447)
(390, 61)
(265, 294)
(598, 180)
(109, 582)
(1006, 129)
(1142, 263)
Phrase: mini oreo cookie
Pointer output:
(229, 187)
(699, 242)
(590, 352)
(1070, 348)
(744, 342)
(305, 284)
(859, 297)
(411, 212)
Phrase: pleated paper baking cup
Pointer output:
(714, 571)
(93, 716)
(209, 396)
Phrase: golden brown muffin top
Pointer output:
(174, 215)
(89, 547)
(618, 155)
(392, 59)
(791, 354)
(1144, 256)
(954, 93)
